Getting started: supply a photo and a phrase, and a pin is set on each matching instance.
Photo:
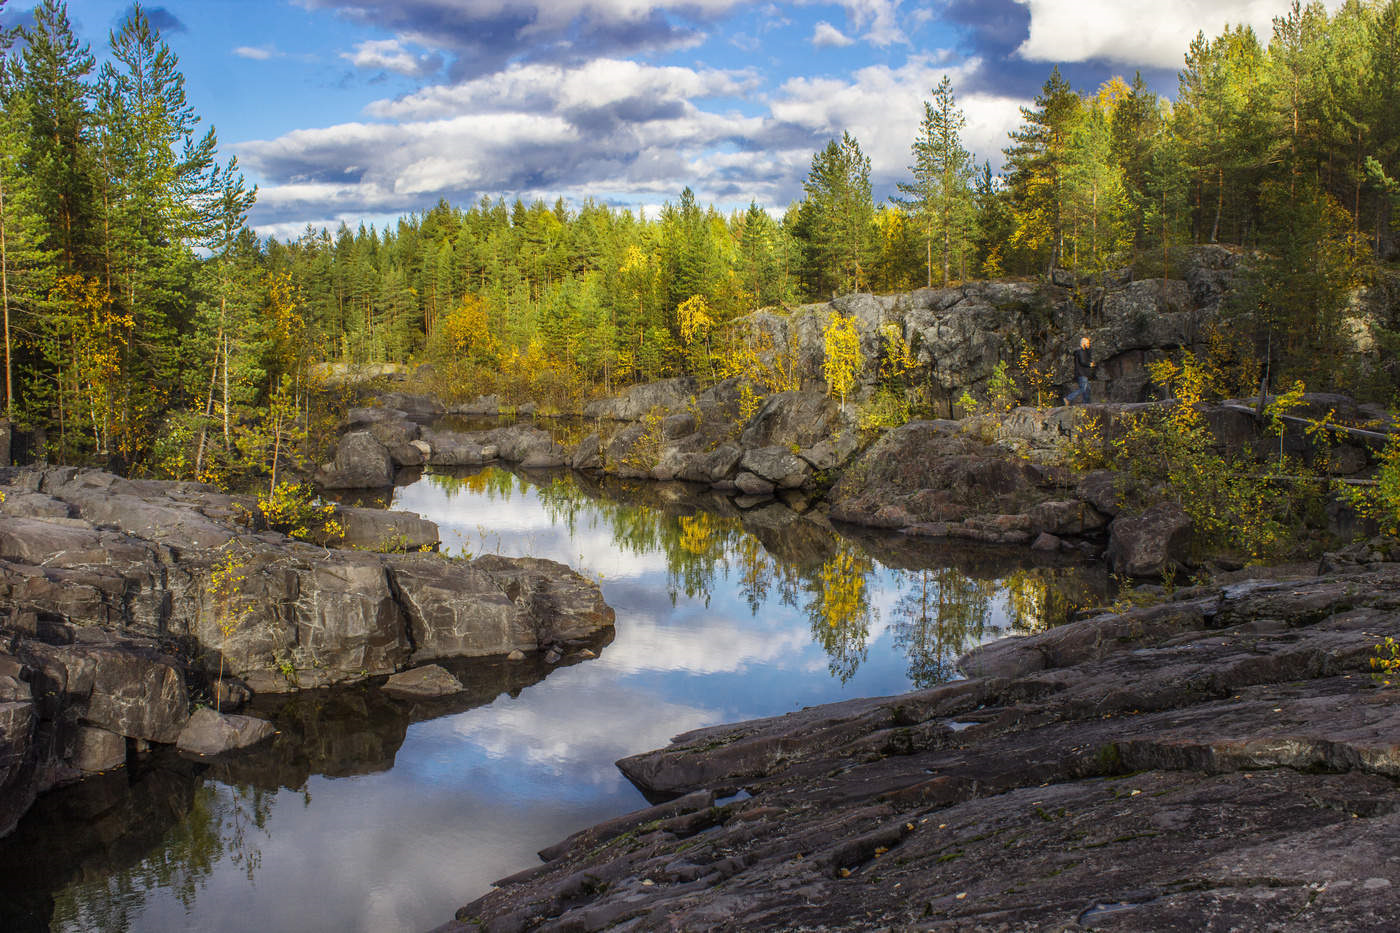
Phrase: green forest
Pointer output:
(147, 326)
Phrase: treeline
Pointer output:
(131, 287)
(146, 324)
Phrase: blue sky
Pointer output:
(369, 109)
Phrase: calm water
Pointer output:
(376, 815)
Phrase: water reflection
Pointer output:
(374, 814)
(775, 557)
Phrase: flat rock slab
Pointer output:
(431, 680)
(211, 733)
(1216, 762)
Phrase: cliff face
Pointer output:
(1218, 761)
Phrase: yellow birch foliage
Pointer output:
(842, 363)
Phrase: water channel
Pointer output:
(369, 814)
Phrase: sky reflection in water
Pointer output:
(719, 617)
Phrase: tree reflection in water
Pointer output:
(774, 554)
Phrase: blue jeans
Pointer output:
(1081, 392)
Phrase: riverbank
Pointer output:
(1220, 760)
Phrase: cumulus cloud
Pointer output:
(615, 130)
(826, 35)
(1135, 32)
(392, 55)
(481, 36)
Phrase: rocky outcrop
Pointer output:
(119, 597)
(935, 478)
(1124, 772)
(666, 395)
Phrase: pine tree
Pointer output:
(1036, 183)
(840, 228)
(940, 196)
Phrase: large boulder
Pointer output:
(386, 530)
(211, 733)
(494, 605)
(1150, 544)
(361, 462)
(778, 465)
(930, 472)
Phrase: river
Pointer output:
(369, 814)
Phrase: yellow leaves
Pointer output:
(1386, 663)
(693, 316)
(467, 330)
(842, 363)
(841, 591)
(897, 358)
(697, 534)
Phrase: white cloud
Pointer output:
(877, 20)
(826, 35)
(594, 85)
(259, 53)
(610, 129)
(882, 107)
(1136, 32)
(391, 55)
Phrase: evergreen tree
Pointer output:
(839, 232)
(1036, 161)
(940, 196)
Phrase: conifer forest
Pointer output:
(147, 326)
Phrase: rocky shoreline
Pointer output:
(122, 601)
(1221, 760)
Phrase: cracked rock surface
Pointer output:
(1219, 761)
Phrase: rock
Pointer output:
(527, 410)
(361, 462)
(927, 471)
(1346, 460)
(1100, 489)
(667, 395)
(588, 455)
(516, 655)
(712, 467)
(97, 749)
(494, 605)
(211, 733)
(420, 408)
(385, 530)
(780, 467)
(802, 420)
(428, 681)
(1097, 764)
(1045, 542)
(1067, 517)
(753, 485)
(678, 425)
(482, 405)
(393, 434)
(1149, 544)
(449, 449)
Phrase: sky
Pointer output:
(366, 110)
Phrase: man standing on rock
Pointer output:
(1083, 372)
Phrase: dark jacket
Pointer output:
(1083, 363)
